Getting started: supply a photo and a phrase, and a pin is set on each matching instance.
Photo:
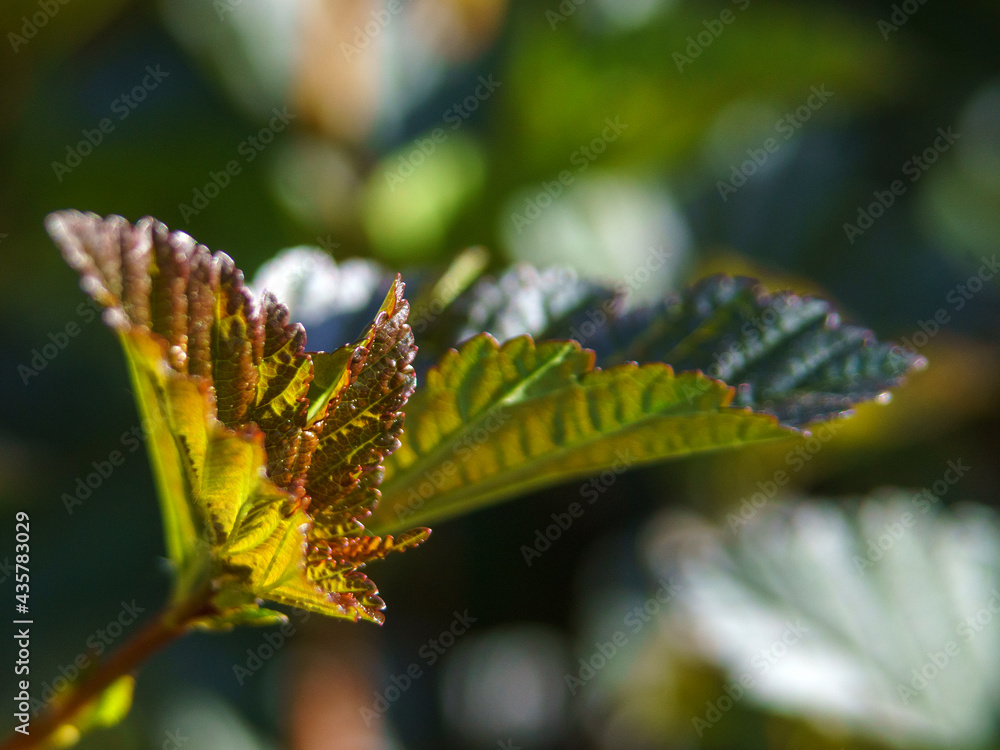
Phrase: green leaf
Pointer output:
(493, 422)
(106, 710)
(788, 355)
(240, 529)
(262, 496)
(331, 375)
(180, 521)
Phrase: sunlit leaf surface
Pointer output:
(786, 354)
(261, 495)
(493, 422)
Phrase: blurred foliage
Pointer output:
(107, 710)
(876, 618)
(323, 183)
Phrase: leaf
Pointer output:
(280, 408)
(223, 383)
(332, 373)
(318, 290)
(492, 422)
(875, 590)
(542, 303)
(365, 421)
(252, 531)
(106, 710)
(788, 355)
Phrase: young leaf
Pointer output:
(492, 422)
(364, 422)
(332, 373)
(222, 383)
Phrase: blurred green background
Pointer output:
(746, 136)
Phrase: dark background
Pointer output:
(323, 182)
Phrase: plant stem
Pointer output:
(171, 623)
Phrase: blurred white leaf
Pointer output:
(315, 287)
(857, 618)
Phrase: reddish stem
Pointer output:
(171, 623)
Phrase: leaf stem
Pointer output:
(172, 622)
